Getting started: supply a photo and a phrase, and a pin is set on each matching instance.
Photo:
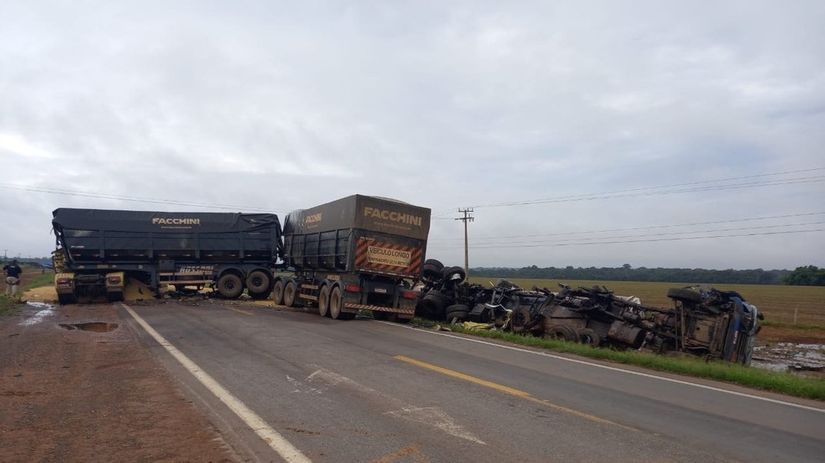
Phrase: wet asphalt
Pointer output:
(363, 390)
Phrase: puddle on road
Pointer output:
(787, 356)
(97, 327)
(45, 311)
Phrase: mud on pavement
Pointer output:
(76, 385)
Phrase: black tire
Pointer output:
(290, 293)
(561, 332)
(230, 286)
(457, 313)
(336, 305)
(432, 305)
(66, 299)
(259, 283)
(520, 320)
(449, 272)
(684, 294)
(278, 292)
(114, 296)
(589, 337)
(323, 301)
(431, 270)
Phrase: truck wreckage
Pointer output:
(703, 321)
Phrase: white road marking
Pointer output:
(276, 441)
(430, 416)
(606, 367)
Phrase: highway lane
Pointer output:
(367, 391)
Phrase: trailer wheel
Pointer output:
(278, 292)
(684, 294)
(520, 319)
(562, 333)
(290, 291)
(451, 272)
(323, 301)
(230, 286)
(258, 284)
(589, 337)
(336, 303)
(457, 313)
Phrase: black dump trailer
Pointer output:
(98, 249)
(356, 253)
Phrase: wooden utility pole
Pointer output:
(466, 218)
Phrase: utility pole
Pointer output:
(466, 218)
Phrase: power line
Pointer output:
(694, 187)
(649, 227)
(653, 240)
(128, 198)
(466, 218)
(602, 238)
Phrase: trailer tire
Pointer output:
(432, 270)
(520, 320)
(278, 292)
(432, 305)
(65, 299)
(336, 306)
(230, 286)
(561, 332)
(457, 313)
(114, 296)
(258, 283)
(323, 301)
(684, 294)
(290, 293)
(449, 272)
(589, 337)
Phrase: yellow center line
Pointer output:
(239, 311)
(506, 390)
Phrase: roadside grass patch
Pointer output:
(7, 305)
(43, 279)
(784, 383)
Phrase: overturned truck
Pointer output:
(703, 321)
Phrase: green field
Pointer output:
(776, 302)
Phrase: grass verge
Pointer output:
(7, 305)
(42, 279)
(784, 383)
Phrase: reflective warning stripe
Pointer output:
(378, 308)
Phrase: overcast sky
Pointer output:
(279, 106)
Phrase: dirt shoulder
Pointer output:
(92, 395)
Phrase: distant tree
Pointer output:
(809, 275)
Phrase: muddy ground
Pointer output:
(92, 393)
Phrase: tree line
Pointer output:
(809, 275)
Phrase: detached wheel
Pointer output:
(684, 294)
(290, 293)
(323, 301)
(278, 292)
(258, 283)
(230, 286)
(431, 270)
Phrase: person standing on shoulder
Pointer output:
(12, 272)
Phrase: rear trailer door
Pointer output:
(388, 255)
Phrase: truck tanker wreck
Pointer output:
(705, 322)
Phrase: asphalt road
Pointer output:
(364, 390)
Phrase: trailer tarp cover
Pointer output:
(362, 212)
(161, 222)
